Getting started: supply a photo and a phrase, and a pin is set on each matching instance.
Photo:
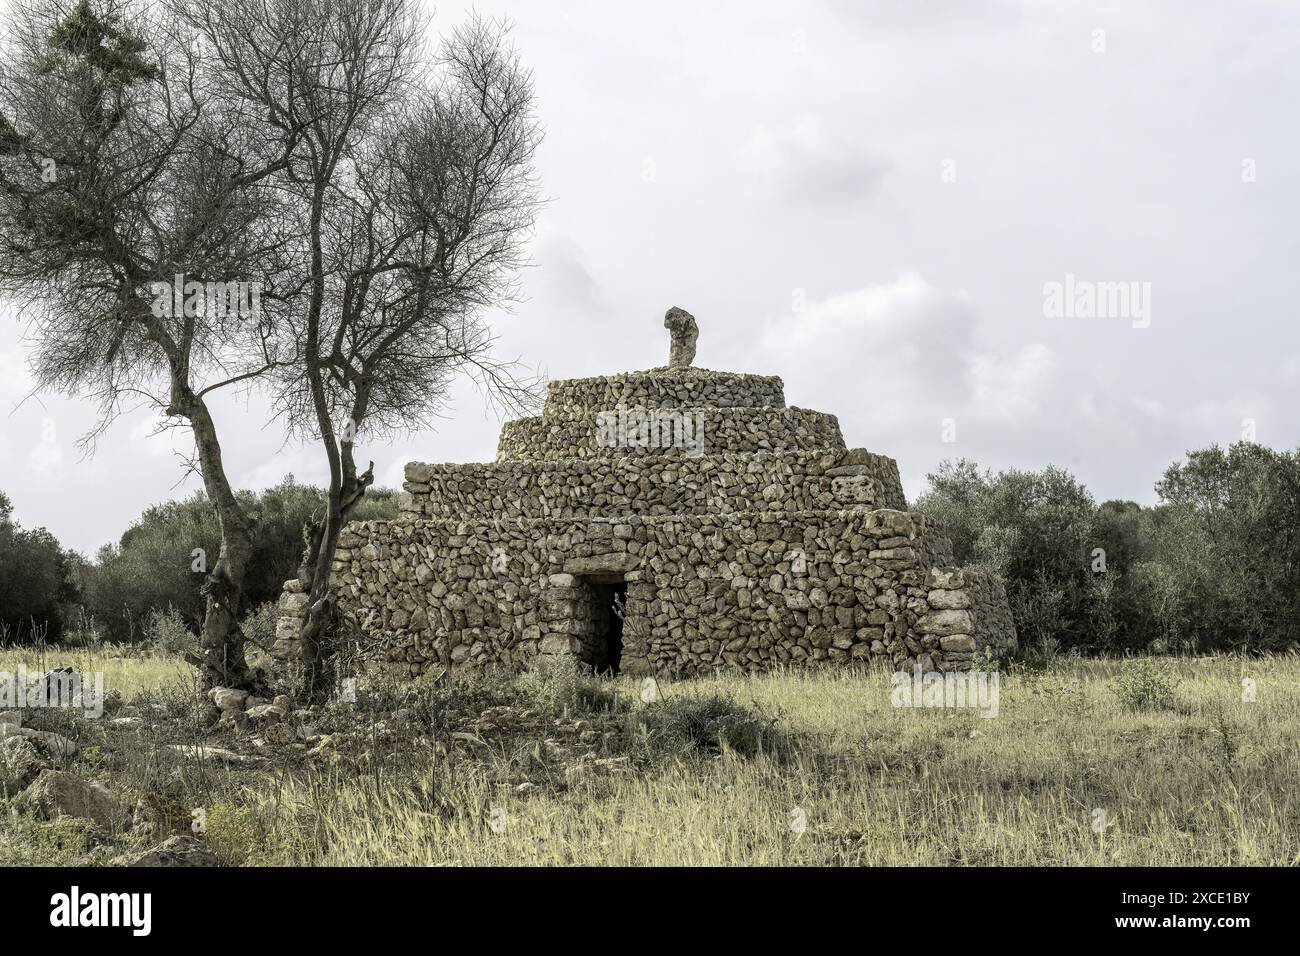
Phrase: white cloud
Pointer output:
(159, 440)
(15, 379)
(817, 166)
(306, 463)
(810, 162)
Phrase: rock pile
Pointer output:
(241, 710)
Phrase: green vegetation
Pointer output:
(45, 591)
(1214, 565)
(34, 578)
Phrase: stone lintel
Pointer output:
(615, 564)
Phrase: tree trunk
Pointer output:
(321, 626)
(221, 641)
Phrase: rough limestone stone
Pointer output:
(602, 564)
(20, 763)
(293, 604)
(228, 698)
(203, 754)
(58, 794)
(177, 851)
(943, 622)
(266, 712)
(948, 600)
(684, 334)
(46, 741)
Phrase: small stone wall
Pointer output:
(663, 387)
(994, 627)
(655, 485)
(717, 430)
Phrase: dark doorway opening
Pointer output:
(608, 603)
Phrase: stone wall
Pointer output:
(655, 485)
(994, 627)
(663, 387)
(749, 590)
(717, 430)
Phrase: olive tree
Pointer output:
(411, 192)
(132, 189)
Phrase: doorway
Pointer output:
(606, 603)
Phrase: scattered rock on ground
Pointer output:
(266, 712)
(47, 741)
(228, 698)
(178, 851)
(19, 765)
(217, 754)
(51, 744)
(280, 734)
(58, 794)
(236, 720)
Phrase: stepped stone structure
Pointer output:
(670, 521)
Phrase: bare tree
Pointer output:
(413, 188)
(126, 172)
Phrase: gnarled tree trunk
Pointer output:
(321, 626)
(221, 659)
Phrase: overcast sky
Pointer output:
(869, 200)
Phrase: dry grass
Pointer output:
(131, 670)
(1201, 778)
(1214, 781)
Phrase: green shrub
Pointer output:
(167, 631)
(1145, 685)
(150, 566)
(559, 684)
(711, 725)
(240, 836)
(25, 841)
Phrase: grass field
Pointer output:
(1086, 763)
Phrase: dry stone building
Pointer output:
(675, 520)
